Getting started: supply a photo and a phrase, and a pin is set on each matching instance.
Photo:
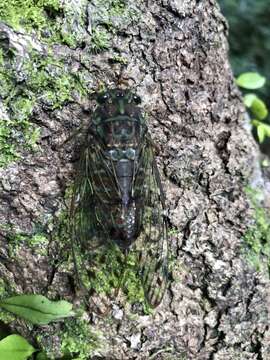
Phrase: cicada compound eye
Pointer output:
(137, 99)
(103, 98)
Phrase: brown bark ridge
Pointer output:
(176, 58)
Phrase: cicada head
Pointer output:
(118, 119)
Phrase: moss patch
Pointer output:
(114, 13)
(100, 40)
(257, 238)
(5, 292)
(73, 339)
(51, 82)
(6, 317)
(78, 340)
(109, 272)
(108, 17)
(29, 14)
(38, 242)
(54, 21)
(42, 81)
(33, 79)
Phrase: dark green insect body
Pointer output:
(118, 197)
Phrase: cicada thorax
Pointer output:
(119, 127)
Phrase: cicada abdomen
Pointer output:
(118, 199)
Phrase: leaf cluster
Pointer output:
(257, 107)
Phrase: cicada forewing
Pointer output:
(96, 257)
(152, 243)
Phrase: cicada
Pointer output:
(118, 200)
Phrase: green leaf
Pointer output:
(250, 80)
(248, 99)
(37, 308)
(265, 163)
(261, 133)
(15, 347)
(259, 109)
(263, 130)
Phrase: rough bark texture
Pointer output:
(175, 57)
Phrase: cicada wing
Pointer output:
(95, 255)
(152, 243)
(83, 219)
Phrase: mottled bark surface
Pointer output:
(176, 59)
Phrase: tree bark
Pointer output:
(174, 54)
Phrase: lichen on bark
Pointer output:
(174, 55)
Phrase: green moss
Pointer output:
(173, 232)
(257, 238)
(29, 14)
(119, 59)
(115, 13)
(51, 20)
(68, 39)
(74, 23)
(100, 40)
(131, 284)
(40, 78)
(110, 17)
(5, 316)
(46, 82)
(38, 242)
(110, 271)
(117, 7)
(14, 123)
(8, 151)
(2, 288)
(51, 82)
(72, 339)
(78, 340)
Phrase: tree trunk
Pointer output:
(174, 54)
